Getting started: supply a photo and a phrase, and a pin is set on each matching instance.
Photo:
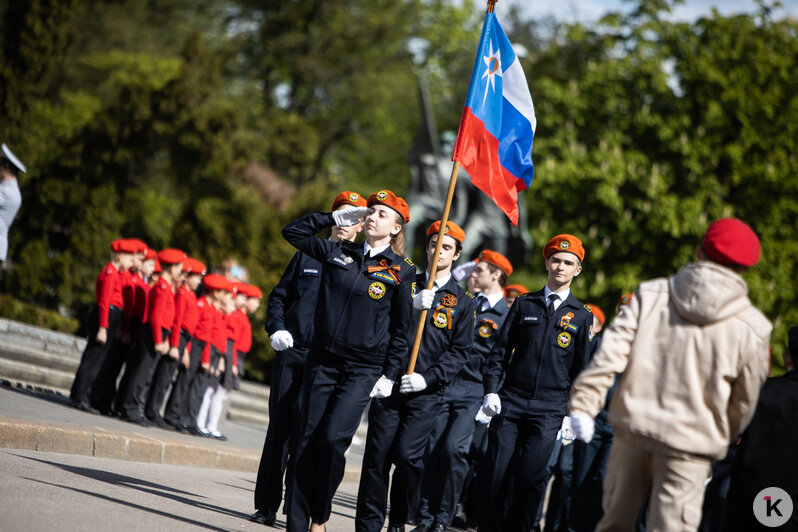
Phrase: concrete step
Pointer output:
(248, 416)
(36, 375)
(38, 357)
(44, 339)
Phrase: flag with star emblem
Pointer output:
(494, 142)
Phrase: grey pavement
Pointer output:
(70, 493)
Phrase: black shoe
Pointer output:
(181, 428)
(460, 519)
(85, 407)
(110, 412)
(137, 420)
(160, 422)
(396, 528)
(264, 518)
(221, 437)
(437, 527)
(193, 429)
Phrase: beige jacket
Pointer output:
(693, 352)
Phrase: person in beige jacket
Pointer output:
(693, 354)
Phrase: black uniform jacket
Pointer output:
(360, 316)
(487, 327)
(537, 356)
(292, 303)
(445, 349)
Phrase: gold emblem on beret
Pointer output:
(564, 339)
(353, 197)
(376, 290)
(564, 244)
(449, 300)
(381, 195)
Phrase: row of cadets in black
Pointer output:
(360, 334)
(455, 435)
(400, 425)
(537, 356)
(289, 322)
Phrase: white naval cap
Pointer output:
(8, 154)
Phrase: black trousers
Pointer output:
(177, 407)
(94, 356)
(280, 443)
(446, 459)
(104, 393)
(334, 394)
(162, 379)
(202, 379)
(513, 480)
(141, 375)
(399, 429)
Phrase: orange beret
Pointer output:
(452, 229)
(193, 266)
(347, 196)
(123, 245)
(389, 199)
(251, 290)
(597, 312)
(171, 256)
(625, 299)
(497, 259)
(214, 281)
(515, 290)
(568, 243)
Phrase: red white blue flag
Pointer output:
(494, 143)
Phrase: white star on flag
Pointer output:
(494, 64)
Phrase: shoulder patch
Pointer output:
(588, 308)
(469, 294)
(410, 262)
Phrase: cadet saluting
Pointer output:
(360, 342)
(543, 345)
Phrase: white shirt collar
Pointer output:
(374, 251)
(440, 282)
(563, 294)
(493, 298)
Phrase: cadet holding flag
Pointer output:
(360, 342)
(400, 424)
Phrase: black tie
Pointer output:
(481, 300)
(552, 299)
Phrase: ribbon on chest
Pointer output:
(383, 272)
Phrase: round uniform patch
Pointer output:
(449, 300)
(376, 290)
(563, 339)
(564, 244)
(440, 320)
(485, 330)
(381, 195)
(353, 197)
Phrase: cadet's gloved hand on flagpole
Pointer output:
(481, 417)
(464, 270)
(567, 431)
(412, 383)
(424, 299)
(350, 217)
(382, 388)
(584, 426)
(281, 340)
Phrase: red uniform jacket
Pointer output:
(186, 315)
(161, 309)
(209, 316)
(107, 292)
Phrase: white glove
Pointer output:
(464, 270)
(482, 418)
(423, 300)
(567, 431)
(281, 340)
(584, 426)
(412, 383)
(492, 405)
(382, 388)
(350, 217)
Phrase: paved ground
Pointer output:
(46, 491)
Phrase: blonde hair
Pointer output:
(398, 240)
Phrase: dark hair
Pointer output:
(5, 164)
(458, 246)
(492, 268)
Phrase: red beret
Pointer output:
(254, 291)
(150, 254)
(157, 268)
(515, 290)
(731, 242)
(171, 256)
(597, 312)
(625, 299)
(497, 259)
(389, 199)
(214, 281)
(123, 245)
(452, 229)
(139, 245)
(347, 196)
(568, 243)
(191, 265)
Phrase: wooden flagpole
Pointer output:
(433, 268)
